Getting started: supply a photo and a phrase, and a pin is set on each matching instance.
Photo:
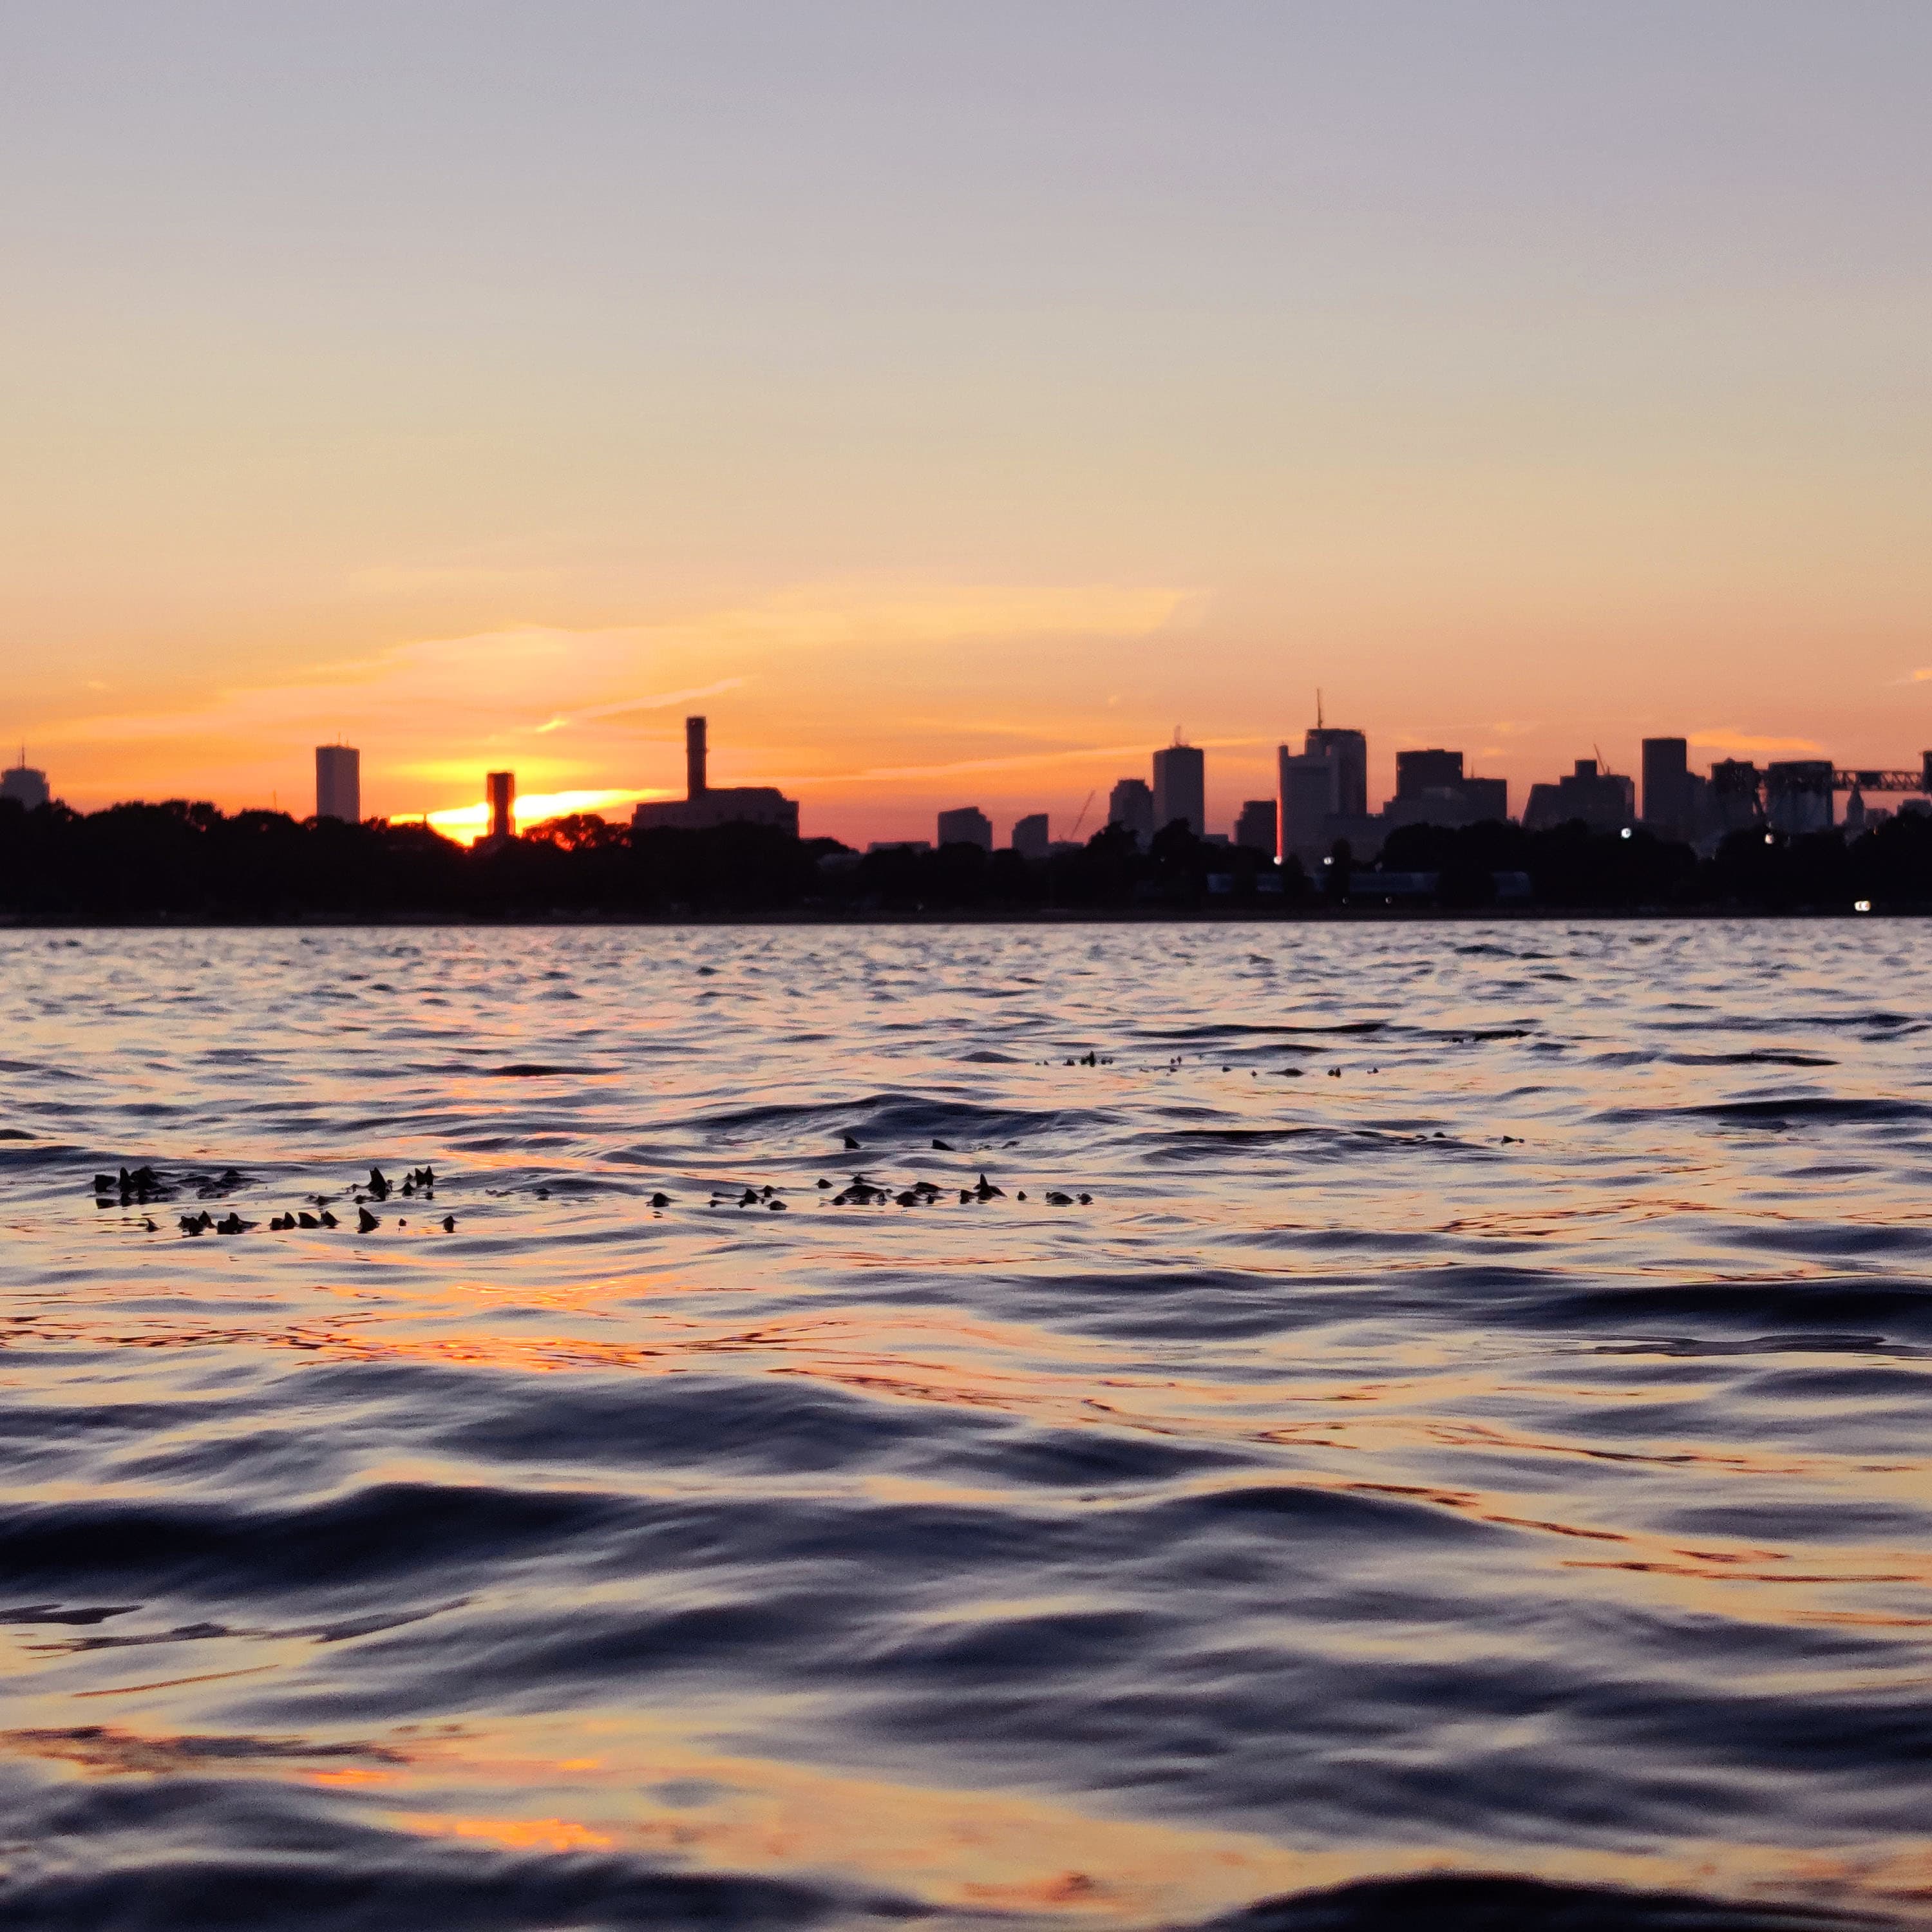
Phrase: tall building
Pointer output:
(1255, 829)
(1131, 805)
(503, 792)
(1418, 771)
(1324, 791)
(1030, 838)
(24, 784)
(1667, 786)
(1308, 794)
(1604, 801)
(1431, 788)
(1348, 752)
(1180, 788)
(704, 806)
(968, 826)
(338, 783)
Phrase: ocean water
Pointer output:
(1479, 1425)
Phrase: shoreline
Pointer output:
(1165, 915)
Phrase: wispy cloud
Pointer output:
(1751, 745)
(639, 707)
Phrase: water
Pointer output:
(1509, 1456)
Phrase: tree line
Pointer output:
(190, 861)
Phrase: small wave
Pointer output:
(1798, 1110)
(1444, 1902)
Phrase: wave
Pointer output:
(1486, 1902)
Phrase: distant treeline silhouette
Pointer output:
(191, 862)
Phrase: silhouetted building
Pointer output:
(1604, 801)
(900, 845)
(502, 788)
(1430, 789)
(24, 784)
(1324, 791)
(338, 783)
(968, 826)
(1307, 793)
(1798, 795)
(1419, 771)
(1667, 791)
(1131, 805)
(1255, 829)
(1348, 752)
(1030, 838)
(1180, 788)
(1736, 798)
(705, 806)
(1470, 801)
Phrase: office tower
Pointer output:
(1131, 805)
(502, 790)
(1667, 786)
(1180, 788)
(1254, 829)
(968, 826)
(704, 806)
(1418, 771)
(1602, 800)
(1030, 838)
(1349, 751)
(338, 783)
(24, 785)
(1308, 787)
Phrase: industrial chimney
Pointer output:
(694, 786)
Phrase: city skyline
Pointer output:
(1325, 791)
(959, 397)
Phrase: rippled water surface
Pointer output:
(1481, 1422)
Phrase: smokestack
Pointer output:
(694, 757)
(502, 795)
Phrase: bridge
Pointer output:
(1883, 781)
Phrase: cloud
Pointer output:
(631, 707)
(1748, 745)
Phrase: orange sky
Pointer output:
(952, 408)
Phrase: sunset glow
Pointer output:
(943, 466)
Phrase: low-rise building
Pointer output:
(966, 826)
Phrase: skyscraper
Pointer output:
(23, 784)
(1418, 771)
(1348, 752)
(338, 783)
(1667, 785)
(1031, 839)
(1131, 806)
(1180, 788)
(1308, 793)
(502, 804)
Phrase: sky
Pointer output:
(954, 402)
